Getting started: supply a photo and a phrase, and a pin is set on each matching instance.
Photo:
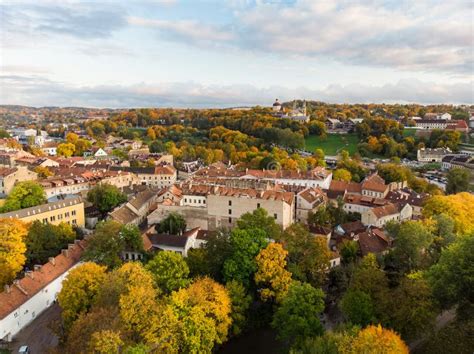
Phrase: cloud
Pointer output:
(40, 91)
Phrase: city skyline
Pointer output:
(238, 53)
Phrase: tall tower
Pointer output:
(304, 107)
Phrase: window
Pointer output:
(52, 218)
(230, 202)
(275, 216)
(258, 205)
(230, 211)
(73, 212)
(230, 220)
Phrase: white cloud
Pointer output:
(39, 91)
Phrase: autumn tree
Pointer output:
(240, 303)
(105, 197)
(12, 249)
(297, 317)
(65, 149)
(203, 309)
(271, 276)
(24, 195)
(342, 174)
(79, 291)
(245, 245)
(43, 172)
(170, 271)
(106, 244)
(105, 342)
(376, 340)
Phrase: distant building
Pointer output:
(136, 209)
(9, 176)
(158, 176)
(276, 106)
(390, 212)
(175, 243)
(432, 155)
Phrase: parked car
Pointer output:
(24, 350)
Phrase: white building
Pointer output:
(432, 155)
(25, 299)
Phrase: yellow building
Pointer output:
(70, 211)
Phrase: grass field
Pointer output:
(333, 143)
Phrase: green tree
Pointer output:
(173, 224)
(259, 219)
(452, 278)
(458, 180)
(357, 307)
(47, 240)
(297, 317)
(348, 251)
(246, 244)
(106, 244)
(105, 197)
(170, 271)
(131, 238)
(24, 195)
(240, 305)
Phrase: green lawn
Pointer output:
(409, 132)
(333, 144)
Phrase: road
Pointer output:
(37, 334)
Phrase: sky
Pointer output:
(225, 53)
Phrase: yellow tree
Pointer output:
(341, 174)
(457, 206)
(66, 149)
(105, 342)
(79, 291)
(377, 340)
(12, 249)
(271, 273)
(204, 296)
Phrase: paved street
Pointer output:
(37, 335)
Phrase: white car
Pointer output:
(24, 350)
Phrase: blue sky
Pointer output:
(231, 53)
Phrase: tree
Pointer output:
(246, 244)
(456, 206)
(240, 303)
(65, 149)
(12, 249)
(342, 174)
(173, 224)
(308, 256)
(47, 240)
(297, 317)
(105, 342)
(43, 172)
(271, 273)
(105, 197)
(259, 219)
(170, 271)
(377, 340)
(106, 244)
(452, 278)
(411, 241)
(411, 311)
(132, 238)
(458, 180)
(203, 309)
(348, 251)
(357, 307)
(24, 195)
(79, 291)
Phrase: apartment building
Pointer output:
(309, 200)
(157, 176)
(390, 212)
(11, 175)
(69, 210)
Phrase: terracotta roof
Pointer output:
(389, 209)
(141, 198)
(364, 200)
(374, 183)
(407, 196)
(373, 241)
(353, 227)
(320, 230)
(6, 171)
(342, 186)
(25, 288)
(312, 195)
(123, 215)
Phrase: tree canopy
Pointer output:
(12, 249)
(24, 195)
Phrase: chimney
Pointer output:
(70, 246)
(37, 267)
(30, 274)
(65, 253)
(52, 260)
(7, 288)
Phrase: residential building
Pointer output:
(459, 161)
(409, 196)
(354, 203)
(432, 155)
(136, 209)
(379, 216)
(9, 176)
(309, 200)
(69, 210)
(50, 148)
(25, 299)
(157, 176)
(175, 243)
